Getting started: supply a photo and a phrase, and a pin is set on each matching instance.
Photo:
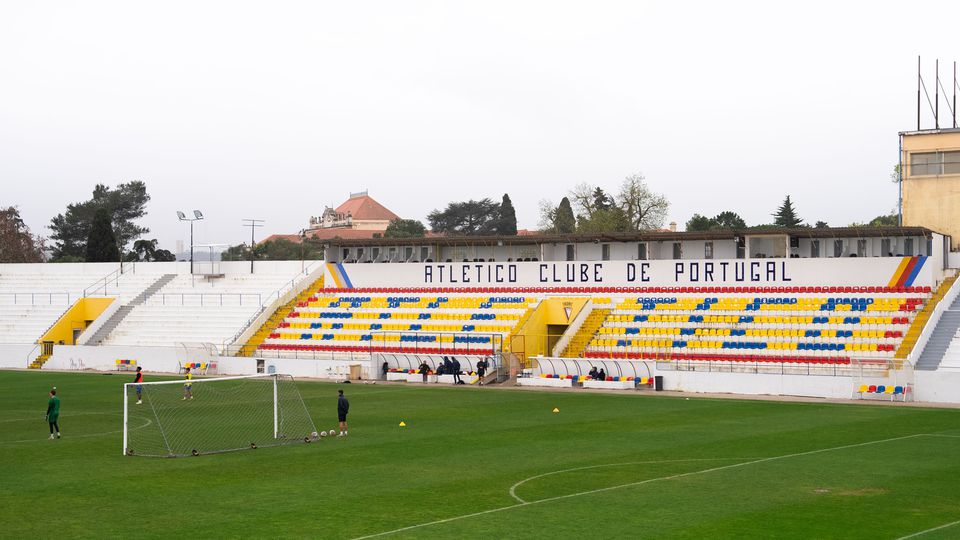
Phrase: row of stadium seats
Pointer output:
(626, 290)
(466, 349)
(862, 326)
(391, 323)
(752, 358)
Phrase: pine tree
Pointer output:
(564, 222)
(507, 224)
(786, 216)
(102, 243)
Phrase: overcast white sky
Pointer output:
(272, 110)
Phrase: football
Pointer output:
(323, 433)
(314, 435)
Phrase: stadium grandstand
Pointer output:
(818, 312)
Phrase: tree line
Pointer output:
(104, 227)
(99, 229)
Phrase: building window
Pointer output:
(908, 247)
(929, 247)
(861, 248)
(708, 250)
(933, 163)
(571, 252)
(838, 248)
(346, 254)
(407, 253)
(677, 251)
(641, 251)
(814, 248)
(605, 252)
(741, 247)
(885, 250)
(424, 254)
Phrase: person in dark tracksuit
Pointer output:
(456, 370)
(343, 407)
(481, 370)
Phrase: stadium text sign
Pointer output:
(883, 271)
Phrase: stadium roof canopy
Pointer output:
(642, 236)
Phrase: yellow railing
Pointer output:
(281, 313)
(590, 326)
(916, 327)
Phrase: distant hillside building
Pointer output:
(359, 217)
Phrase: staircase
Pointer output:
(111, 324)
(46, 351)
(916, 327)
(257, 339)
(589, 328)
(507, 339)
(940, 340)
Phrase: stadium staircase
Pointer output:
(913, 333)
(507, 340)
(111, 324)
(40, 360)
(257, 339)
(943, 334)
(585, 335)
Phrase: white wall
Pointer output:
(169, 359)
(18, 355)
(836, 387)
(937, 386)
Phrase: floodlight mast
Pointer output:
(197, 216)
(253, 224)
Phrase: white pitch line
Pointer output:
(632, 484)
(513, 488)
(916, 534)
(84, 436)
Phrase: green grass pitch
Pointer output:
(490, 463)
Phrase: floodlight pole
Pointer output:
(253, 224)
(196, 217)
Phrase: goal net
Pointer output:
(203, 416)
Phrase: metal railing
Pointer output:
(205, 299)
(37, 298)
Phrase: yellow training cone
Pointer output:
(403, 424)
(556, 409)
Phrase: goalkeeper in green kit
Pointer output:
(53, 413)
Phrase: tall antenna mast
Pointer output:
(954, 95)
(918, 93)
(936, 96)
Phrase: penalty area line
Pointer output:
(934, 529)
(642, 482)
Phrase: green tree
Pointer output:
(604, 220)
(102, 242)
(147, 251)
(405, 228)
(506, 224)
(124, 205)
(17, 244)
(643, 209)
(729, 220)
(564, 220)
(886, 220)
(468, 218)
(722, 221)
(700, 223)
(821, 225)
(280, 249)
(786, 215)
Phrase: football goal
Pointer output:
(204, 416)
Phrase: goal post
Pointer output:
(204, 416)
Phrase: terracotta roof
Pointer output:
(364, 207)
